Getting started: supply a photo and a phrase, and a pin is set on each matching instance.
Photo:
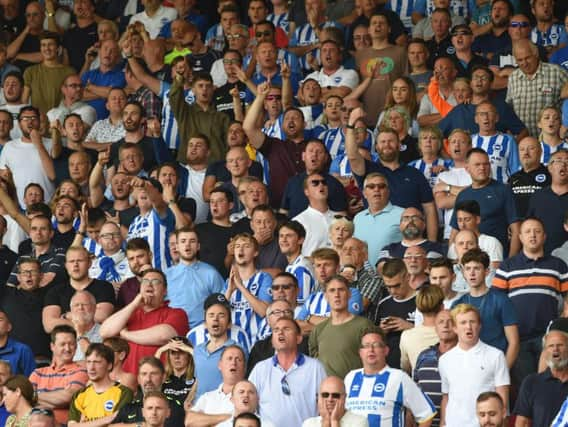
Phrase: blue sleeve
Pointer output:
(454, 219)
(27, 361)
(295, 37)
(304, 311)
(445, 125)
(565, 113)
(426, 195)
(191, 337)
(218, 285)
(166, 31)
(295, 81)
(265, 292)
(356, 302)
(86, 77)
(161, 150)
(334, 168)
(507, 311)
(168, 221)
(210, 33)
(513, 162)
(164, 87)
(510, 120)
(420, 7)
(285, 203)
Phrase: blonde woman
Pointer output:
(429, 145)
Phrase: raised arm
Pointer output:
(96, 179)
(254, 133)
(113, 325)
(46, 160)
(356, 160)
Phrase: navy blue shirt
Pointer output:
(408, 186)
(549, 207)
(540, 398)
(489, 43)
(396, 250)
(498, 210)
(295, 201)
(462, 117)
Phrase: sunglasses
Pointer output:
(281, 287)
(285, 386)
(326, 395)
(273, 98)
(380, 186)
(260, 34)
(517, 24)
(231, 61)
(316, 182)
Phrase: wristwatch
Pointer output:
(448, 188)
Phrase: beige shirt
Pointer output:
(413, 342)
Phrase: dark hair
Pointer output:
(533, 218)
(287, 275)
(476, 255)
(263, 208)
(137, 104)
(508, 3)
(326, 254)
(137, 244)
(70, 116)
(485, 69)
(16, 74)
(373, 330)
(118, 345)
(10, 116)
(152, 361)
(28, 260)
(130, 146)
(379, 12)
(42, 217)
(228, 194)
(28, 108)
(235, 52)
(393, 266)
(470, 206)
(486, 395)
(62, 329)
(247, 416)
(102, 350)
(22, 383)
(95, 215)
(442, 263)
(476, 151)
(293, 321)
(335, 278)
(201, 136)
(202, 75)
(265, 22)
(296, 227)
(443, 10)
(50, 35)
(155, 270)
(229, 8)
(296, 109)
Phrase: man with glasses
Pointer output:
(238, 38)
(317, 217)
(57, 309)
(287, 382)
(331, 407)
(72, 93)
(380, 211)
(229, 97)
(111, 264)
(382, 393)
(82, 315)
(549, 203)
(396, 312)
(147, 322)
(30, 158)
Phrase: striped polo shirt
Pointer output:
(535, 288)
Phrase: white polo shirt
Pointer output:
(341, 77)
(214, 402)
(467, 373)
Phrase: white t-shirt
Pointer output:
(341, 77)
(214, 402)
(465, 375)
(460, 178)
(317, 225)
(194, 190)
(154, 24)
(22, 158)
(488, 244)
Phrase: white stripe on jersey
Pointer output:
(548, 150)
(503, 154)
(156, 232)
(457, 7)
(170, 130)
(383, 397)
(334, 140)
(280, 21)
(426, 168)
(302, 270)
(259, 284)
(275, 129)
(551, 37)
(200, 335)
(305, 35)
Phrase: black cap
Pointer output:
(214, 299)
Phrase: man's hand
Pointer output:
(356, 114)
(285, 70)
(392, 324)
(234, 92)
(104, 157)
(263, 89)
(35, 137)
(168, 193)
(153, 127)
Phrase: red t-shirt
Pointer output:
(175, 317)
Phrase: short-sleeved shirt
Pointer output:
(525, 184)
(540, 398)
(112, 78)
(140, 319)
(131, 413)
(89, 405)
(45, 85)
(550, 207)
(61, 293)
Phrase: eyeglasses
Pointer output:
(281, 313)
(380, 186)
(480, 78)
(231, 61)
(281, 287)
(408, 218)
(326, 395)
(273, 98)
(152, 282)
(42, 411)
(461, 33)
(372, 345)
(235, 36)
(391, 287)
(518, 24)
(108, 236)
(285, 386)
(260, 34)
(316, 182)
(561, 162)
(29, 118)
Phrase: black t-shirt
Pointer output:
(269, 256)
(30, 45)
(389, 307)
(24, 309)
(203, 61)
(10, 28)
(60, 240)
(61, 164)
(126, 216)
(188, 206)
(8, 260)
(132, 412)
(77, 40)
(219, 170)
(213, 240)
(223, 100)
(62, 292)
(177, 387)
(524, 184)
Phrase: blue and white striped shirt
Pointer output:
(548, 151)
(404, 9)
(342, 167)
(156, 231)
(503, 154)
(426, 168)
(383, 397)
(457, 7)
(259, 285)
(302, 270)
(280, 21)
(170, 130)
(275, 129)
(551, 37)
(305, 35)
(200, 335)
(313, 115)
(215, 38)
(316, 305)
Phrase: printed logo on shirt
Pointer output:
(109, 405)
(337, 80)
